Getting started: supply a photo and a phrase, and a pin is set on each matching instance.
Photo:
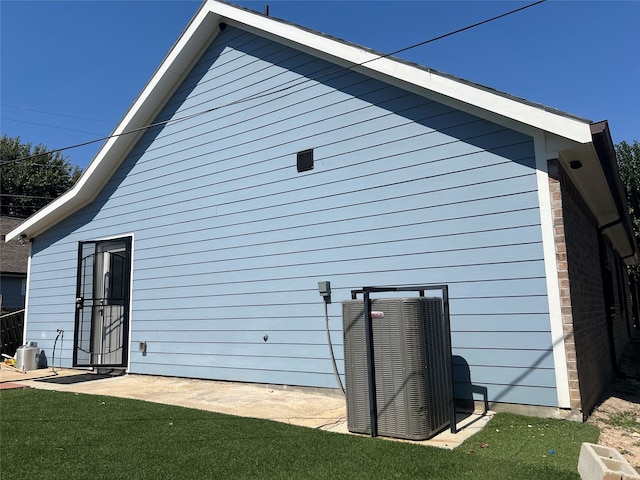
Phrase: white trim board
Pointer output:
(551, 268)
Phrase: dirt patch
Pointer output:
(618, 418)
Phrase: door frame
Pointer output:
(97, 303)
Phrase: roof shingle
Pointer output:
(13, 256)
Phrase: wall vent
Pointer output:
(305, 160)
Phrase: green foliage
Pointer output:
(47, 434)
(30, 177)
(629, 166)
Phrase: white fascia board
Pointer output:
(493, 103)
(395, 71)
(193, 40)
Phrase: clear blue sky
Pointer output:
(84, 62)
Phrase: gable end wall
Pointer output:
(231, 241)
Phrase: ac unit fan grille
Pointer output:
(411, 367)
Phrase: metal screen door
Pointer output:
(102, 304)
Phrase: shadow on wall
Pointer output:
(464, 390)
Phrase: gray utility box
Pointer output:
(412, 363)
(27, 357)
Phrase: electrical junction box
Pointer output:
(324, 288)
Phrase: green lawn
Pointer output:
(54, 435)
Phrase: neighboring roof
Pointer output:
(570, 133)
(14, 256)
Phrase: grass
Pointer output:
(627, 420)
(55, 435)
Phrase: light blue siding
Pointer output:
(230, 240)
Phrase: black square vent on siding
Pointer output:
(305, 160)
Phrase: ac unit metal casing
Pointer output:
(412, 363)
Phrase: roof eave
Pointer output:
(202, 30)
(185, 52)
(414, 77)
(593, 171)
(621, 229)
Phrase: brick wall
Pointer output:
(621, 321)
(581, 292)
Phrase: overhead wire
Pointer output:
(345, 70)
(50, 126)
(36, 197)
(17, 107)
(284, 87)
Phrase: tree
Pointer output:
(629, 167)
(31, 177)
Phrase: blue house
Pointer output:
(262, 158)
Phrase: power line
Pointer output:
(55, 114)
(460, 30)
(284, 87)
(50, 126)
(46, 165)
(36, 197)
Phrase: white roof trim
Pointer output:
(556, 122)
(197, 36)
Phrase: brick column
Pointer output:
(583, 308)
(555, 190)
